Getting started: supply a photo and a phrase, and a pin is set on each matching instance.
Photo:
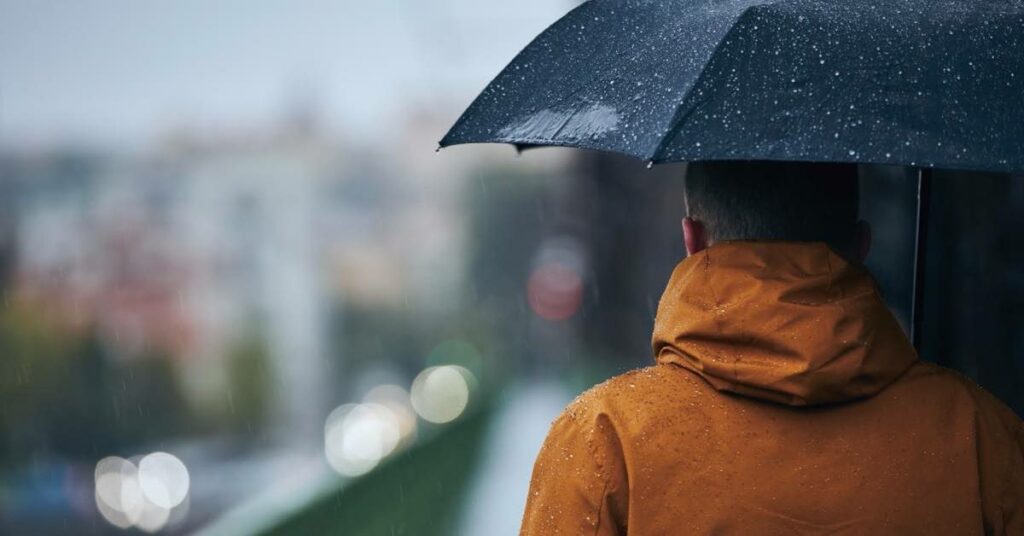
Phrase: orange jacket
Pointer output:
(785, 400)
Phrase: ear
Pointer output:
(694, 236)
(862, 240)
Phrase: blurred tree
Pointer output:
(62, 395)
(249, 384)
(31, 372)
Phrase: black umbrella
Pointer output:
(927, 84)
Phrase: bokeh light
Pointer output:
(397, 400)
(358, 436)
(440, 394)
(143, 496)
(555, 291)
(118, 495)
(164, 479)
(153, 518)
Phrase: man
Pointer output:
(785, 398)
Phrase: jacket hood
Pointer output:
(787, 322)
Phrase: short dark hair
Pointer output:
(761, 200)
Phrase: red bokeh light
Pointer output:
(555, 291)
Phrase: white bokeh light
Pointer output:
(164, 479)
(440, 394)
(152, 517)
(396, 399)
(144, 496)
(358, 436)
(118, 495)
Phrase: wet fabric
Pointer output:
(785, 400)
(907, 82)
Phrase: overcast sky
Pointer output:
(119, 72)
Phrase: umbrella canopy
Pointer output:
(907, 82)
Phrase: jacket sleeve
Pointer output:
(579, 484)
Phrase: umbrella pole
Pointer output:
(924, 191)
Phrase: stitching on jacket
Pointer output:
(600, 506)
(606, 472)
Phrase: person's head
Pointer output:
(760, 200)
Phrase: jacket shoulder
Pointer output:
(1000, 448)
(624, 394)
(948, 382)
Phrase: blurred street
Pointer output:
(497, 493)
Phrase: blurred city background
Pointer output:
(240, 292)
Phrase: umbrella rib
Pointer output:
(683, 111)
